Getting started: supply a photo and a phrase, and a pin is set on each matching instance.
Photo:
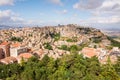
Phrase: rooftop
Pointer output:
(16, 45)
(8, 60)
(5, 43)
(25, 55)
(89, 52)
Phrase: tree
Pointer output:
(63, 47)
(117, 66)
(56, 36)
(19, 39)
(109, 72)
(69, 67)
(47, 46)
(73, 49)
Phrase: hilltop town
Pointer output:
(56, 41)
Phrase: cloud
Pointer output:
(58, 2)
(88, 4)
(108, 12)
(62, 11)
(6, 2)
(103, 11)
(9, 2)
(99, 6)
(104, 20)
(110, 7)
(9, 17)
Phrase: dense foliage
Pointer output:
(16, 39)
(73, 48)
(63, 47)
(69, 67)
(47, 46)
(56, 36)
(73, 39)
(114, 43)
(96, 39)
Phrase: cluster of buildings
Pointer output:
(103, 55)
(34, 38)
(13, 52)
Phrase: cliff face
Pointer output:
(68, 34)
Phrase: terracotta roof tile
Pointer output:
(25, 55)
(89, 52)
(5, 43)
(16, 45)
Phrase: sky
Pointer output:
(95, 13)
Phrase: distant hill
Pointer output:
(69, 34)
(5, 27)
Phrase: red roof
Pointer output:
(89, 52)
(5, 43)
(16, 45)
(25, 55)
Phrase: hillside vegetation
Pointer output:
(69, 67)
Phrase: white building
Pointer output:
(16, 50)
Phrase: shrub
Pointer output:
(47, 46)
(69, 40)
(63, 47)
(74, 39)
(114, 43)
(56, 36)
(19, 39)
(96, 39)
